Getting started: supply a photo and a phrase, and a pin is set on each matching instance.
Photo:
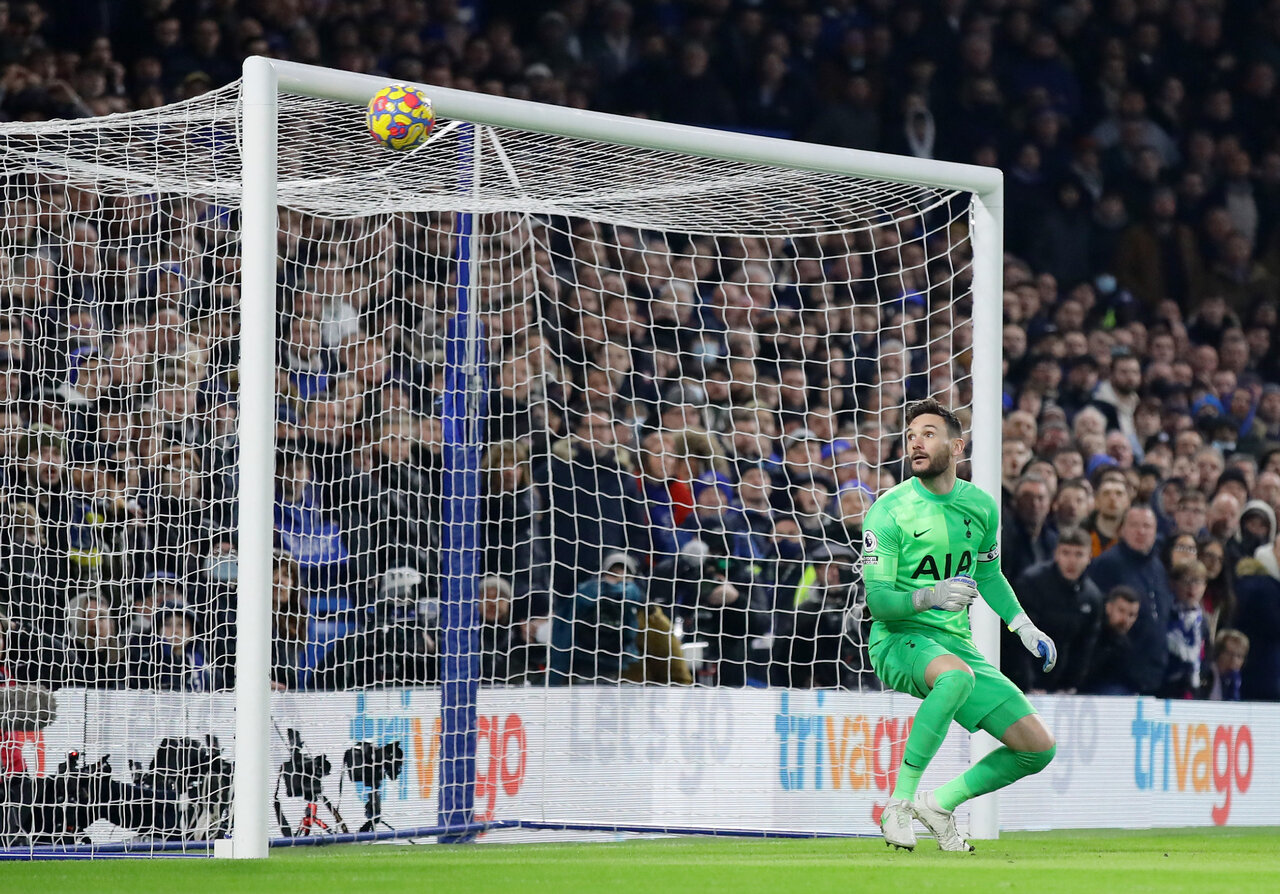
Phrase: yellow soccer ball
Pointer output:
(400, 117)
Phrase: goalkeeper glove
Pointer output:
(1035, 640)
(951, 595)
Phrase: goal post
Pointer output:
(988, 426)
(258, 223)
(985, 185)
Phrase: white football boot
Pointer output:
(942, 823)
(895, 823)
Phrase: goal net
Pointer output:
(572, 445)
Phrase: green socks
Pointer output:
(950, 690)
(998, 769)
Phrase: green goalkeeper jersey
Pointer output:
(913, 538)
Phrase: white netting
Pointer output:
(696, 377)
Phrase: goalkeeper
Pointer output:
(929, 545)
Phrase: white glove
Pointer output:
(951, 595)
(1035, 640)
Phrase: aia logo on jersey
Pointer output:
(928, 566)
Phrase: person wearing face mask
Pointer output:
(595, 631)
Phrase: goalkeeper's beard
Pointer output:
(937, 465)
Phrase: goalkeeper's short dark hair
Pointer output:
(931, 407)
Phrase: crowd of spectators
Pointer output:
(685, 431)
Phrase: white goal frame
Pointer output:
(264, 81)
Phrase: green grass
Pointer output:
(1166, 862)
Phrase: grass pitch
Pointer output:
(1240, 861)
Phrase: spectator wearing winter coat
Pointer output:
(595, 631)
(1258, 618)
(1027, 539)
(172, 656)
(95, 656)
(1111, 669)
(1135, 563)
(498, 641)
(819, 644)
(595, 506)
(668, 493)
(395, 505)
(31, 577)
(1158, 260)
(515, 543)
(307, 530)
(1257, 528)
(397, 645)
(1111, 501)
(713, 589)
(1067, 605)
(1118, 396)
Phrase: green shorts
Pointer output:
(900, 658)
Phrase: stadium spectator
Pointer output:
(1190, 516)
(668, 491)
(1114, 659)
(389, 526)
(1072, 505)
(29, 573)
(1133, 563)
(515, 543)
(1158, 259)
(593, 502)
(595, 630)
(306, 529)
(1180, 550)
(1027, 538)
(497, 635)
(710, 587)
(156, 591)
(1257, 527)
(95, 656)
(171, 655)
(288, 623)
(1223, 680)
(1067, 606)
(1111, 502)
(1117, 396)
(395, 646)
(816, 643)
(1189, 634)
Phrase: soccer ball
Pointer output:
(400, 117)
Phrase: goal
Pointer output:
(508, 487)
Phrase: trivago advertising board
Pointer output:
(1138, 763)
(805, 760)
